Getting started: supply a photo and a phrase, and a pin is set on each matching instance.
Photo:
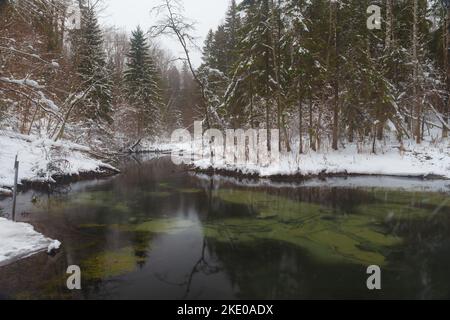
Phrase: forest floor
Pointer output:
(430, 159)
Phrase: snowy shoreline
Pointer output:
(429, 161)
(19, 241)
(428, 166)
(44, 162)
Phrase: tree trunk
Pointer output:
(300, 121)
(268, 125)
(336, 83)
(389, 25)
(312, 140)
(418, 125)
(388, 44)
(446, 42)
(252, 120)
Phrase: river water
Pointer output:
(159, 232)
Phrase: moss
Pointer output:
(94, 198)
(358, 227)
(120, 208)
(107, 201)
(189, 191)
(164, 185)
(325, 234)
(413, 199)
(141, 241)
(323, 241)
(163, 225)
(157, 194)
(268, 206)
(101, 199)
(395, 211)
(54, 204)
(110, 264)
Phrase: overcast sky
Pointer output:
(127, 14)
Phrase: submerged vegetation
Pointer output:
(327, 235)
(267, 242)
(110, 264)
(361, 235)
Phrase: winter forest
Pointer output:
(312, 69)
(348, 100)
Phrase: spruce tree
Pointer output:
(92, 68)
(232, 26)
(142, 81)
(208, 54)
(172, 116)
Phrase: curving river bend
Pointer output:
(159, 232)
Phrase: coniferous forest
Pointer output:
(312, 69)
(299, 149)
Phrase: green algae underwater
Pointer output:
(160, 233)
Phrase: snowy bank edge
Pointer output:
(102, 171)
(31, 151)
(424, 161)
(23, 249)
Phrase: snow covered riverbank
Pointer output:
(427, 160)
(41, 160)
(20, 240)
(417, 162)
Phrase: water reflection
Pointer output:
(160, 232)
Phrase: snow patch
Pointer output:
(55, 245)
(5, 192)
(40, 159)
(20, 240)
(429, 159)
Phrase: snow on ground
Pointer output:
(40, 159)
(160, 146)
(5, 192)
(420, 162)
(20, 240)
(428, 159)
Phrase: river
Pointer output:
(158, 231)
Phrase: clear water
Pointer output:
(159, 232)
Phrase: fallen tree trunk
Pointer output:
(132, 148)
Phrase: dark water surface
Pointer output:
(158, 232)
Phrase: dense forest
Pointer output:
(312, 69)
(63, 76)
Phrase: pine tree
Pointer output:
(142, 81)
(91, 64)
(298, 82)
(446, 67)
(248, 97)
(317, 63)
(172, 117)
(208, 51)
(213, 70)
(232, 26)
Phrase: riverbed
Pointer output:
(158, 231)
